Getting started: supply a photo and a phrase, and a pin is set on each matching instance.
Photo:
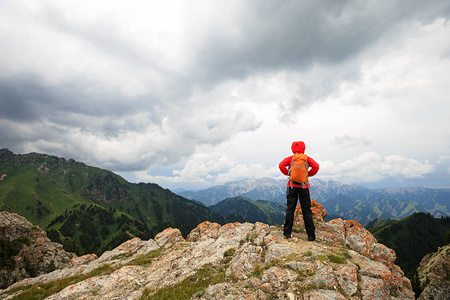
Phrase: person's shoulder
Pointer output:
(287, 158)
(311, 159)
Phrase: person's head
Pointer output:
(298, 147)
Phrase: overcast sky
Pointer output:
(190, 94)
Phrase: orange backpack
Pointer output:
(298, 172)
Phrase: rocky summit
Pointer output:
(233, 261)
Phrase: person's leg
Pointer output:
(305, 203)
(291, 203)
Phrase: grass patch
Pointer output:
(321, 257)
(146, 259)
(228, 255)
(305, 273)
(194, 284)
(337, 259)
(298, 229)
(229, 252)
(310, 287)
(259, 269)
(346, 254)
(341, 290)
(251, 237)
(292, 257)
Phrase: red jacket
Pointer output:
(285, 164)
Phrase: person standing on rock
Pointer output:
(299, 167)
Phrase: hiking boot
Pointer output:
(286, 236)
(311, 238)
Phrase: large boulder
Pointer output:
(26, 251)
(319, 214)
(353, 235)
(434, 274)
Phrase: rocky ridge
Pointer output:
(26, 251)
(233, 261)
(434, 275)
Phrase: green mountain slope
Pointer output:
(241, 209)
(413, 237)
(89, 209)
(358, 210)
(377, 223)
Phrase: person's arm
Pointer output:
(285, 164)
(314, 167)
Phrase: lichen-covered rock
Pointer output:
(383, 254)
(205, 230)
(324, 277)
(131, 248)
(273, 237)
(110, 286)
(275, 278)
(358, 238)
(338, 232)
(434, 273)
(319, 214)
(436, 290)
(221, 291)
(244, 263)
(332, 232)
(323, 295)
(26, 250)
(374, 288)
(348, 278)
(237, 261)
(276, 251)
(168, 237)
(82, 260)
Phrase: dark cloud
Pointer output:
(27, 98)
(19, 99)
(88, 113)
(274, 35)
(104, 35)
(69, 121)
(63, 119)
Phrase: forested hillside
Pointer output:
(87, 209)
(414, 237)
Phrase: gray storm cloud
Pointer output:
(132, 86)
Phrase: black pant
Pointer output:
(292, 195)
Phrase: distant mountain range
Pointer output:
(87, 209)
(255, 189)
(241, 209)
(340, 200)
